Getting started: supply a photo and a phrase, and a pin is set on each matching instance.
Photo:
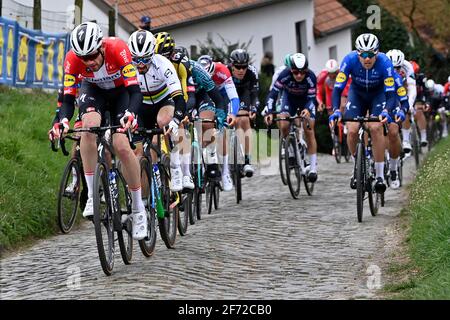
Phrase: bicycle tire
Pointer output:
(360, 176)
(336, 147)
(124, 236)
(400, 171)
(147, 245)
(216, 196)
(66, 222)
(209, 197)
(168, 225)
(237, 171)
(415, 145)
(346, 150)
(196, 169)
(373, 205)
(294, 186)
(103, 217)
(281, 161)
(183, 215)
(197, 208)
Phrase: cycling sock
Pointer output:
(393, 164)
(405, 133)
(136, 199)
(186, 163)
(313, 165)
(175, 158)
(90, 183)
(225, 165)
(211, 154)
(379, 169)
(423, 135)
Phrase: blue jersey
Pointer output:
(401, 96)
(303, 91)
(380, 77)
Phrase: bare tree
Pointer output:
(37, 15)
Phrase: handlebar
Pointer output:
(292, 118)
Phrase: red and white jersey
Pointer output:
(325, 86)
(223, 80)
(117, 69)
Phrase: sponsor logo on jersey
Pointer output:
(401, 92)
(389, 82)
(69, 80)
(112, 77)
(129, 71)
(341, 77)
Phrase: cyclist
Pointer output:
(435, 100)
(109, 83)
(207, 100)
(298, 84)
(163, 102)
(405, 69)
(419, 105)
(372, 90)
(222, 78)
(245, 78)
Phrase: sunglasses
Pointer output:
(90, 57)
(240, 67)
(367, 54)
(142, 60)
(297, 72)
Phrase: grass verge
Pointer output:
(425, 274)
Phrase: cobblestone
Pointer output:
(268, 247)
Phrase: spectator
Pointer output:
(145, 23)
(267, 66)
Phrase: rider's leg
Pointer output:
(406, 131)
(421, 123)
(394, 153)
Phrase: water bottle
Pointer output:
(159, 205)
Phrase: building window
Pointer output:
(267, 44)
(194, 53)
(332, 52)
(300, 35)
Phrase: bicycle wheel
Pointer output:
(183, 216)
(69, 195)
(293, 173)
(336, 147)
(168, 224)
(360, 176)
(197, 173)
(400, 171)
(345, 149)
(282, 162)
(147, 244)
(103, 219)
(209, 196)
(374, 204)
(237, 171)
(415, 144)
(124, 235)
(216, 196)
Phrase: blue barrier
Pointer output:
(30, 58)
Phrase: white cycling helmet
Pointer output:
(142, 44)
(367, 42)
(448, 79)
(397, 57)
(298, 61)
(207, 63)
(86, 38)
(429, 84)
(332, 66)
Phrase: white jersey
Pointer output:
(276, 74)
(408, 69)
(159, 81)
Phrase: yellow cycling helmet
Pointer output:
(164, 44)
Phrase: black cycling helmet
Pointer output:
(164, 44)
(239, 56)
(181, 49)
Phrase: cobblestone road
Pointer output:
(268, 247)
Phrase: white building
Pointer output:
(58, 15)
(319, 28)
